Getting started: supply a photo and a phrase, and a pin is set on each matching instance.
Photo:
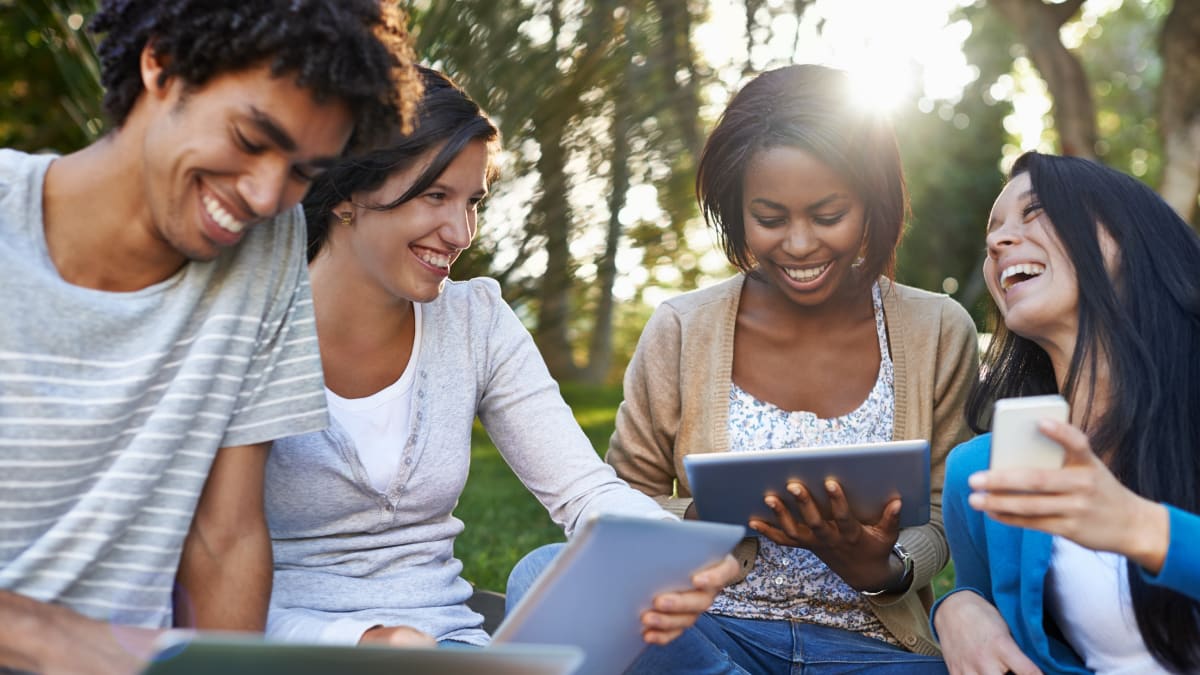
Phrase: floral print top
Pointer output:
(792, 583)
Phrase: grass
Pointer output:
(504, 521)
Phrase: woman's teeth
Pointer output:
(805, 274)
(434, 259)
(1028, 270)
(221, 216)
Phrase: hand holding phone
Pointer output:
(1016, 440)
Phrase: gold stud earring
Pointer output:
(345, 218)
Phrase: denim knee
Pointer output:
(526, 571)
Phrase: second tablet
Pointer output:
(729, 487)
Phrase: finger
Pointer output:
(1012, 659)
(783, 514)
(1029, 505)
(777, 535)
(718, 575)
(839, 508)
(669, 621)
(1026, 481)
(889, 522)
(1047, 524)
(806, 508)
(1074, 441)
(690, 602)
(658, 637)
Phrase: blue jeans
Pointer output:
(722, 644)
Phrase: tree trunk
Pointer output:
(600, 347)
(1179, 107)
(1037, 25)
(552, 209)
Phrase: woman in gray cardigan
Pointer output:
(812, 345)
(361, 514)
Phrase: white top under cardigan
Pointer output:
(348, 557)
(374, 422)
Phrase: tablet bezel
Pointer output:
(190, 653)
(593, 594)
(730, 487)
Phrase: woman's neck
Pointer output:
(352, 315)
(1090, 395)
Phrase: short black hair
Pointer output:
(357, 51)
(447, 120)
(809, 107)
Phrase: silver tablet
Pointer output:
(205, 654)
(593, 594)
(729, 487)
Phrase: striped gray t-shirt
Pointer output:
(113, 405)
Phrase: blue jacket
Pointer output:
(1007, 565)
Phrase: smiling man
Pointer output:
(158, 330)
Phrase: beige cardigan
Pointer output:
(677, 402)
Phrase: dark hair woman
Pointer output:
(813, 344)
(1095, 281)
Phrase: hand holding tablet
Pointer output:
(730, 487)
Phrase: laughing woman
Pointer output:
(1094, 566)
(361, 514)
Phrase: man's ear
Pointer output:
(152, 67)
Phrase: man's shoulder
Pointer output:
(12, 160)
(20, 174)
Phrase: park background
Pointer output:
(604, 106)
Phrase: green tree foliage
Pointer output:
(602, 106)
(592, 98)
(952, 164)
(49, 83)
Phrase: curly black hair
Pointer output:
(357, 51)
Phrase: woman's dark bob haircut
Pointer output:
(810, 108)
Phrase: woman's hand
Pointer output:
(1082, 501)
(397, 636)
(860, 553)
(975, 640)
(673, 613)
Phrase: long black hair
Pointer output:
(1143, 323)
(447, 119)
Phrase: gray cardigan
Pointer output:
(348, 557)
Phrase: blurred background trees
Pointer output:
(604, 104)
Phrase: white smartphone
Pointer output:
(1016, 440)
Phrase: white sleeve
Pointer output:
(297, 626)
(536, 432)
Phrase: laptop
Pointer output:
(228, 654)
(593, 594)
(729, 487)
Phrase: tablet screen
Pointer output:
(730, 487)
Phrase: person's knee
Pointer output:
(527, 570)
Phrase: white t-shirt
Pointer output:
(1088, 595)
(380, 423)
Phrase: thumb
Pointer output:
(1076, 444)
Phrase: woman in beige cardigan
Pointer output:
(812, 344)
